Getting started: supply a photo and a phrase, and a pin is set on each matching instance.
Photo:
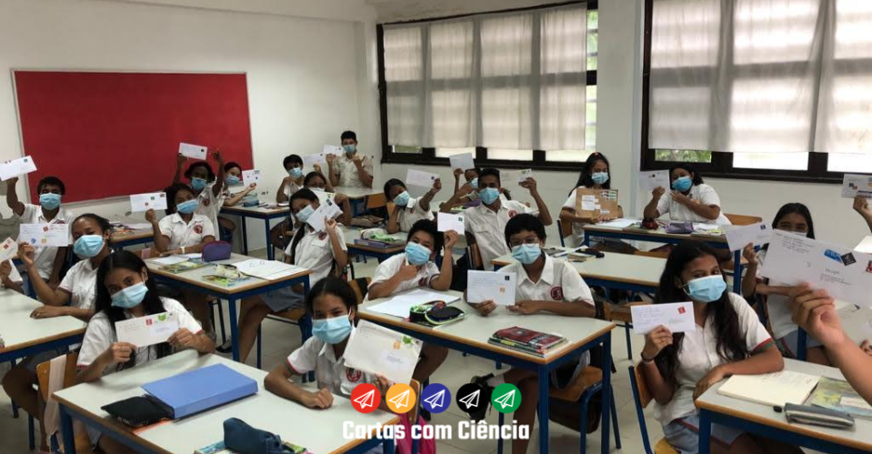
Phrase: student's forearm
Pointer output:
(443, 281)
(232, 201)
(424, 203)
(650, 211)
(855, 366)
(705, 211)
(868, 218)
(16, 286)
(567, 214)
(334, 177)
(749, 282)
(544, 214)
(394, 221)
(364, 176)
(769, 360)
(178, 176)
(280, 385)
(386, 288)
(80, 313)
(12, 199)
(199, 247)
(660, 389)
(339, 254)
(58, 264)
(345, 218)
(281, 197)
(93, 372)
(574, 309)
(451, 203)
(218, 186)
(46, 294)
(203, 344)
(161, 241)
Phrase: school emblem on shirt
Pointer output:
(322, 235)
(557, 293)
(512, 213)
(198, 229)
(353, 375)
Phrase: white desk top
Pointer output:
(239, 209)
(593, 228)
(625, 268)
(320, 431)
(356, 193)
(859, 437)
(475, 330)
(20, 331)
(195, 276)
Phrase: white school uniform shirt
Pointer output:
(559, 281)
(81, 283)
(412, 213)
(489, 228)
(185, 235)
(777, 306)
(699, 355)
(698, 192)
(291, 189)
(315, 252)
(391, 267)
(348, 175)
(44, 256)
(330, 372)
(210, 205)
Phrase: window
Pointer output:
(516, 88)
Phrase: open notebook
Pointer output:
(773, 389)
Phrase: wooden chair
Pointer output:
(642, 397)
(43, 371)
(588, 383)
(741, 219)
(564, 229)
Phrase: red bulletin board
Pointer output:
(115, 134)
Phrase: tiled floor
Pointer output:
(280, 339)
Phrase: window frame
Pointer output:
(428, 154)
(721, 165)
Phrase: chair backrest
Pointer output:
(741, 219)
(564, 227)
(640, 386)
(360, 287)
(641, 397)
(475, 257)
(376, 201)
(43, 370)
(416, 388)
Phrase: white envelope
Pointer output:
(377, 350)
(462, 161)
(8, 249)
(420, 179)
(678, 317)
(854, 185)
(193, 151)
(250, 177)
(491, 285)
(446, 222)
(145, 202)
(739, 237)
(309, 162)
(328, 210)
(649, 181)
(16, 167)
(332, 149)
(149, 330)
(513, 177)
(45, 235)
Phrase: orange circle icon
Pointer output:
(401, 398)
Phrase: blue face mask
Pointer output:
(88, 246)
(130, 297)
(600, 177)
(402, 199)
(296, 172)
(233, 180)
(682, 184)
(706, 289)
(474, 183)
(198, 184)
(304, 214)
(188, 207)
(526, 253)
(349, 149)
(489, 195)
(50, 201)
(417, 254)
(332, 330)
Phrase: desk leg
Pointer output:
(234, 329)
(606, 392)
(67, 428)
(544, 384)
(801, 344)
(705, 432)
(270, 254)
(586, 241)
(388, 445)
(737, 272)
(243, 220)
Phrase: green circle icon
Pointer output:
(506, 398)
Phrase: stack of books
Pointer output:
(526, 340)
(380, 241)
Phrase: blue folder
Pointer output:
(198, 390)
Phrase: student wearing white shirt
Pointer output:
(124, 291)
(485, 224)
(234, 191)
(351, 170)
(471, 177)
(544, 284)
(292, 183)
(316, 182)
(49, 260)
(690, 199)
(208, 188)
(729, 340)
(407, 210)
(325, 253)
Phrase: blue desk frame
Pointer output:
(229, 211)
(41, 347)
(378, 255)
(122, 243)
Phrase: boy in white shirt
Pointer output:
(352, 170)
(292, 183)
(407, 210)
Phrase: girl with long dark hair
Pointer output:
(690, 198)
(594, 175)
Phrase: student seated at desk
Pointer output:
(208, 188)
(546, 285)
(690, 199)
(352, 170)
(183, 231)
(320, 185)
(124, 291)
(332, 305)
(485, 224)
(234, 192)
(471, 177)
(49, 260)
(325, 253)
(292, 183)
(729, 339)
(594, 175)
(861, 206)
(407, 211)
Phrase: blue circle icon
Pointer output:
(436, 398)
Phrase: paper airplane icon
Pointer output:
(401, 400)
(472, 399)
(436, 400)
(507, 399)
(366, 399)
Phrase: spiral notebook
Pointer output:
(777, 388)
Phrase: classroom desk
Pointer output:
(380, 254)
(471, 336)
(193, 280)
(263, 213)
(357, 197)
(319, 431)
(763, 420)
(25, 336)
(119, 241)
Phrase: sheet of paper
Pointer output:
(377, 350)
(420, 179)
(845, 274)
(865, 245)
(45, 235)
(854, 185)
(145, 202)
(309, 162)
(399, 305)
(649, 181)
(17, 167)
(462, 161)
(511, 178)
(678, 317)
(149, 330)
(170, 260)
(857, 322)
(193, 151)
(335, 150)
(250, 177)
(491, 285)
(739, 237)
(138, 225)
(266, 269)
(8, 249)
(327, 210)
(446, 222)
(618, 223)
